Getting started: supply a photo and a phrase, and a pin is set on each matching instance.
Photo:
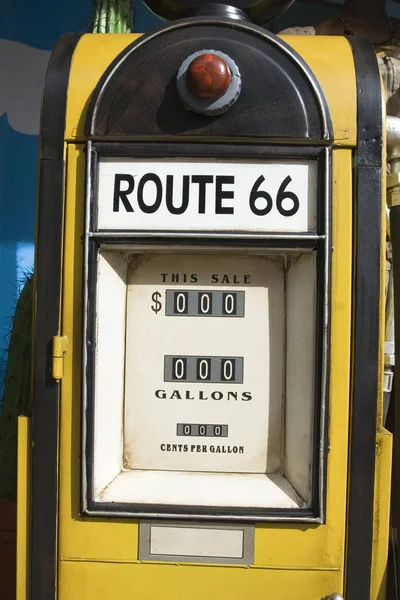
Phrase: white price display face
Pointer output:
(200, 195)
(204, 363)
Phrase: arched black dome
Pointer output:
(280, 96)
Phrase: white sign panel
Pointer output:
(204, 363)
(206, 195)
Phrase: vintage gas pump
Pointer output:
(209, 317)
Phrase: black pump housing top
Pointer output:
(258, 11)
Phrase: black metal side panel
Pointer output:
(367, 215)
(43, 582)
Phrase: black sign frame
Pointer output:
(320, 241)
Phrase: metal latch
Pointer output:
(60, 343)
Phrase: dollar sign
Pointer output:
(157, 304)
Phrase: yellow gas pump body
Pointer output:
(97, 557)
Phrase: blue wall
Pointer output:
(28, 31)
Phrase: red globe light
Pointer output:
(208, 77)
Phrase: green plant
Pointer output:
(113, 16)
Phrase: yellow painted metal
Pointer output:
(60, 344)
(103, 581)
(94, 54)
(98, 558)
(381, 514)
(102, 554)
(23, 506)
(318, 51)
(101, 538)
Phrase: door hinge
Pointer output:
(60, 343)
